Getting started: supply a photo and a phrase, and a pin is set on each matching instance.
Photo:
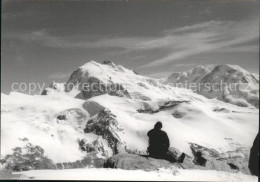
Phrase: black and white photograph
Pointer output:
(130, 90)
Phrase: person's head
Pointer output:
(158, 125)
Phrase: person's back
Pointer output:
(158, 141)
(159, 144)
(254, 157)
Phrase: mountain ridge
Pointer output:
(246, 84)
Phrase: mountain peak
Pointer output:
(88, 64)
(200, 69)
(230, 67)
(108, 62)
(227, 75)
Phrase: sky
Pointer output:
(46, 40)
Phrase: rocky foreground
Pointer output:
(135, 167)
(32, 158)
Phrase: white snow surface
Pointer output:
(199, 125)
(127, 175)
(35, 116)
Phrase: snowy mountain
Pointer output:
(106, 109)
(228, 83)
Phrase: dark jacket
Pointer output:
(254, 157)
(158, 142)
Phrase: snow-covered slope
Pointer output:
(118, 115)
(198, 123)
(228, 83)
(127, 175)
(35, 117)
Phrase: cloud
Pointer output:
(159, 75)
(42, 37)
(185, 65)
(59, 75)
(179, 43)
(206, 37)
(248, 48)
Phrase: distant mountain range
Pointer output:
(228, 83)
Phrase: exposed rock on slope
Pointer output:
(194, 75)
(31, 157)
(58, 87)
(92, 107)
(228, 83)
(95, 148)
(28, 157)
(94, 79)
(135, 162)
(106, 125)
(203, 159)
(164, 106)
(211, 159)
(88, 82)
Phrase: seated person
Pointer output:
(159, 144)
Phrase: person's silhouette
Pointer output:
(254, 157)
(159, 144)
(158, 141)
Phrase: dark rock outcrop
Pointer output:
(165, 106)
(90, 86)
(108, 62)
(91, 160)
(211, 159)
(60, 87)
(25, 158)
(178, 114)
(61, 117)
(135, 162)
(106, 125)
(32, 157)
(224, 110)
(92, 107)
(94, 148)
(203, 158)
(94, 87)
